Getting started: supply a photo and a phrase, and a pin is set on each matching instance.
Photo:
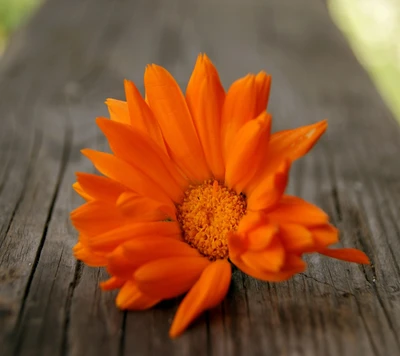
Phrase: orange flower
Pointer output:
(193, 184)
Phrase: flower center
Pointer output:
(208, 212)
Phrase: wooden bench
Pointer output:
(54, 78)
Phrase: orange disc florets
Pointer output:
(207, 214)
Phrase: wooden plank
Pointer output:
(53, 80)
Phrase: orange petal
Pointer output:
(295, 143)
(251, 220)
(263, 88)
(325, 235)
(78, 188)
(142, 118)
(347, 254)
(288, 145)
(130, 297)
(100, 188)
(269, 190)
(96, 217)
(122, 172)
(169, 106)
(84, 240)
(295, 237)
(85, 254)
(147, 249)
(256, 241)
(120, 265)
(129, 256)
(118, 111)
(246, 99)
(261, 274)
(144, 209)
(209, 291)
(261, 237)
(111, 239)
(205, 97)
(239, 108)
(247, 152)
(255, 232)
(238, 244)
(134, 148)
(170, 277)
(112, 283)
(293, 264)
(271, 259)
(297, 211)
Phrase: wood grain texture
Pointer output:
(54, 78)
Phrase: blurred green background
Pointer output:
(371, 26)
(12, 14)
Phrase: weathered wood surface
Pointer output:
(54, 78)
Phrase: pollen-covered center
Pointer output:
(208, 212)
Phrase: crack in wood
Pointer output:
(75, 282)
(121, 345)
(337, 203)
(342, 292)
(63, 164)
(37, 142)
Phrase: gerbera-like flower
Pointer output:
(194, 184)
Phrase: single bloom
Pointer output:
(194, 184)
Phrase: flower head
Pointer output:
(194, 184)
